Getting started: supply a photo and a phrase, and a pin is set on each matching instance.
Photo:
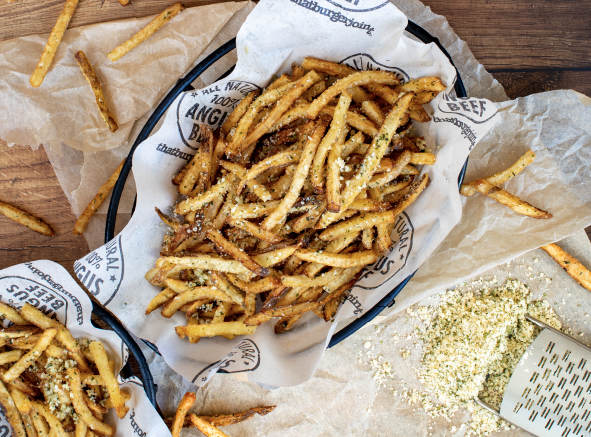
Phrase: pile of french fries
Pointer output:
(51, 383)
(208, 425)
(296, 192)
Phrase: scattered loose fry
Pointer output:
(26, 219)
(94, 83)
(164, 17)
(571, 265)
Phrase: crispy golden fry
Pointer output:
(225, 328)
(206, 150)
(373, 112)
(383, 242)
(193, 294)
(26, 361)
(164, 17)
(37, 318)
(354, 79)
(330, 68)
(367, 238)
(179, 417)
(10, 356)
(206, 262)
(228, 248)
(369, 205)
(422, 84)
(196, 203)
(206, 428)
(81, 408)
(191, 174)
(338, 260)
(276, 256)
(399, 164)
(336, 127)
(503, 176)
(106, 371)
(96, 202)
(393, 187)
(370, 162)
(94, 83)
(299, 177)
(255, 210)
(278, 160)
(571, 265)
(222, 283)
(418, 113)
(352, 144)
(238, 112)
(54, 424)
(255, 287)
(240, 172)
(383, 91)
(356, 121)
(291, 310)
(232, 419)
(24, 218)
(282, 106)
(255, 230)
(507, 199)
(305, 281)
(8, 312)
(53, 42)
(422, 159)
(12, 414)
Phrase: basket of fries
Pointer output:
(295, 202)
(58, 371)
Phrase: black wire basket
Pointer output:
(184, 84)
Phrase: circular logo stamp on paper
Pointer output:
(245, 357)
(365, 62)
(17, 291)
(211, 106)
(359, 5)
(476, 110)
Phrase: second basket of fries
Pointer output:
(292, 195)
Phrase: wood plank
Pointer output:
(522, 34)
(523, 83)
(27, 17)
(28, 181)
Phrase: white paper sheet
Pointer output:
(50, 288)
(374, 39)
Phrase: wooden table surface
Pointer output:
(528, 46)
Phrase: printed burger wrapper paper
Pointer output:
(365, 37)
(50, 288)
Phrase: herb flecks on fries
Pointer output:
(52, 384)
(291, 198)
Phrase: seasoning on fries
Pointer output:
(571, 265)
(94, 83)
(208, 425)
(26, 219)
(164, 17)
(46, 387)
(300, 178)
(489, 187)
(96, 202)
(55, 37)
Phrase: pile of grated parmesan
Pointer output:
(473, 345)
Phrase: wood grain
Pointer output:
(28, 181)
(28, 17)
(523, 83)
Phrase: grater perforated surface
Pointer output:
(549, 393)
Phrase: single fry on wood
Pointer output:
(26, 219)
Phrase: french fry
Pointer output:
(373, 112)
(206, 150)
(164, 17)
(281, 159)
(224, 285)
(238, 112)
(53, 422)
(53, 42)
(228, 248)
(106, 371)
(509, 200)
(336, 127)
(179, 417)
(251, 183)
(196, 203)
(338, 260)
(30, 357)
(8, 312)
(225, 328)
(24, 218)
(10, 356)
(255, 230)
(571, 265)
(354, 79)
(232, 419)
(299, 177)
(371, 161)
(206, 428)
(193, 294)
(500, 178)
(97, 201)
(94, 83)
(356, 121)
(422, 84)
(81, 407)
(12, 414)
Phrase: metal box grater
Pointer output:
(549, 393)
